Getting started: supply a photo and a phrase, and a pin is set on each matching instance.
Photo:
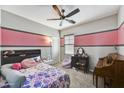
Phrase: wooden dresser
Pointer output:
(111, 69)
(80, 62)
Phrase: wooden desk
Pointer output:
(110, 67)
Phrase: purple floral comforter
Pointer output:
(47, 77)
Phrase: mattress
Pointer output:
(40, 76)
(14, 78)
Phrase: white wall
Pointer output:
(56, 49)
(121, 15)
(120, 21)
(106, 23)
(0, 17)
(13, 21)
(95, 52)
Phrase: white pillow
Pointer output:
(37, 59)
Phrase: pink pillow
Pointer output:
(16, 66)
(26, 63)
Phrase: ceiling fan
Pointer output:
(62, 17)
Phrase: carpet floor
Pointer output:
(78, 78)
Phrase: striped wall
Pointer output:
(61, 42)
(12, 37)
(121, 35)
(98, 44)
(0, 37)
(35, 31)
(106, 38)
(97, 39)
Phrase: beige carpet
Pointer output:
(78, 78)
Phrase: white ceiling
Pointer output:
(40, 13)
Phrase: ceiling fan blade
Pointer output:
(62, 10)
(73, 12)
(54, 19)
(55, 7)
(61, 23)
(70, 21)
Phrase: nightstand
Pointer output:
(80, 62)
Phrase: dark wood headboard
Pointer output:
(15, 56)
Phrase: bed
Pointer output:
(40, 76)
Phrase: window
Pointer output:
(69, 44)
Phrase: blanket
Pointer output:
(46, 77)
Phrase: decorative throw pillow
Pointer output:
(37, 59)
(29, 62)
(17, 66)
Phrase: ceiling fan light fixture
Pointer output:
(62, 16)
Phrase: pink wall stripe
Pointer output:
(105, 38)
(121, 35)
(61, 41)
(10, 37)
